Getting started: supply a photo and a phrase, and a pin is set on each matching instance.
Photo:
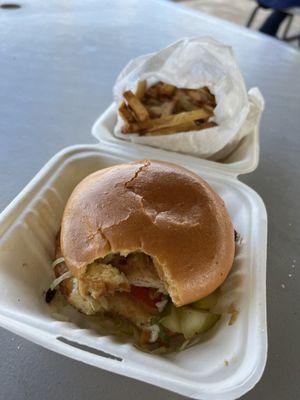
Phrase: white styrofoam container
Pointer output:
(27, 230)
(242, 160)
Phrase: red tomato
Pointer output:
(148, 296)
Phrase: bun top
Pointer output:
(161, 209)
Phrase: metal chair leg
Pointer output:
(292, 38)
(287, 26)
(252, 16)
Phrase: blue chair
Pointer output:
(289, 7)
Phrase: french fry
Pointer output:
(202, 95)
(173, 120)
(152, 92)
(139, 110)
(194, 95)
(141, 89)
(167, 89)
(187, 126)
(205, 89)
(168, 107)
(125, 113)
(168, 122)
(206, 125)
(185, 102)
(155, 111)
(208, 108)
(180, 127)
(163, 109)
(152, 102)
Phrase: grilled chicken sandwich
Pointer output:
(147, 242)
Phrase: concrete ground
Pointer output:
(238, 11)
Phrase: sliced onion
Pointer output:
(58, 261)
(152, 285)
(161, 304)
(61, 278)
(154, 331)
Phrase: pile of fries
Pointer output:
(163, 109)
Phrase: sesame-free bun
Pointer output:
(158, 208)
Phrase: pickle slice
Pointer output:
(171, 321)
(193, 322)
(207, 303)
(188, 321)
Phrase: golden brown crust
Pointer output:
(118, 304)
(160, 209)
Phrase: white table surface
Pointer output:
(58, 63)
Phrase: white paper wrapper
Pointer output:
(193, 63)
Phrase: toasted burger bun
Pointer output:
(158, 208)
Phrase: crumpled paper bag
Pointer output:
(193, 63)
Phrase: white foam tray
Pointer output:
(27, 230)
(242, 160)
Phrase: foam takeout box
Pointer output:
(228, 362)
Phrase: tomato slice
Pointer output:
(147, 296)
